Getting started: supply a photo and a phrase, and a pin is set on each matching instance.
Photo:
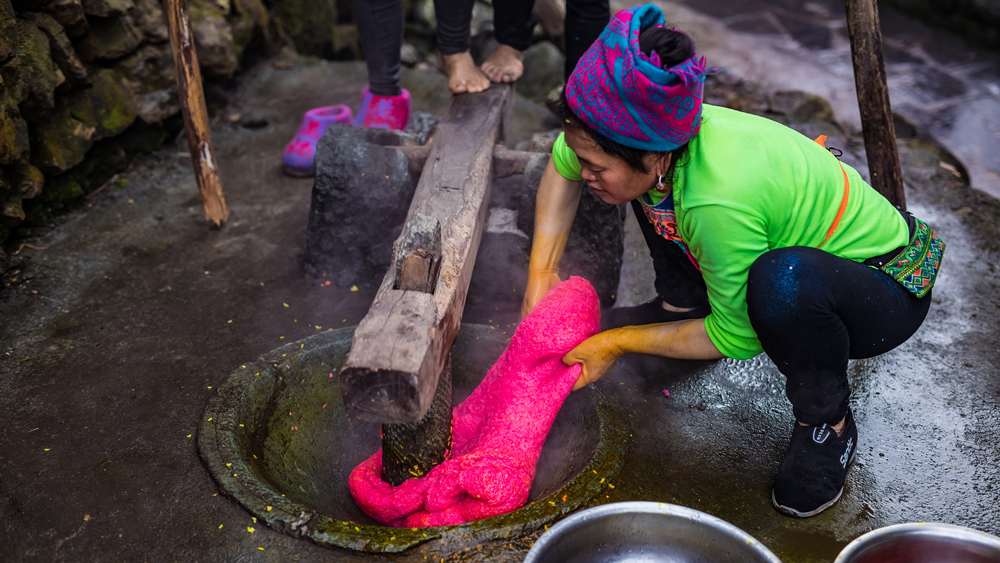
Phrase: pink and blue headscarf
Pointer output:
(624, 95)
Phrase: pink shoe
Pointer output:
(298, 156)
(384, 112)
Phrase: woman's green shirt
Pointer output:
(749, 185)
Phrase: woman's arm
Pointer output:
(555, 207)
(685, 340)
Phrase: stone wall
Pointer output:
(84, 84)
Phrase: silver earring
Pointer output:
(660, 186)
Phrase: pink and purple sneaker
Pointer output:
(384, 112)
(297, 159)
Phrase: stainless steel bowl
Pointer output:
(646, 532)
(922, 543)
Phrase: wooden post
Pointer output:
(195, 113)
(873, 99)
(401, 346)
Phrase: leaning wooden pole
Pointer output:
(195, 113)
(873, 99)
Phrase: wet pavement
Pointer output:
(948, 88)
(132, 310)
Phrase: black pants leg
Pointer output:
(514, 23)
(585, 20)
(678, 282)
(380, 25)
(812, 311)
(453, 17)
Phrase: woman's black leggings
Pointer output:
(380, 27)
(812, 311)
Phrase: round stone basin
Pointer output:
(277, 439)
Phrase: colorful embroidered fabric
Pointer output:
(916, 267)
(624, 95)
(664, 221)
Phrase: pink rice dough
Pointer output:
(499, 430)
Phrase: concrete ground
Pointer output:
(120, 322)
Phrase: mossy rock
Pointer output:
(13, 134)
(39, 74)
(11, 207)
(29, 181)
(107, 8)
(8, 30)
(13, 85)
(310, 24)
(108, 107)
(60, 142)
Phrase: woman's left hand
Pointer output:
(680, 339)
(597, 354)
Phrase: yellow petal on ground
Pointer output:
(285, 304)
(354, 288)
(269, 508)
(261, 548)
(220, 526)
(251, 530)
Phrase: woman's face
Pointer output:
(608, 176)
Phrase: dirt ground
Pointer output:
(117, 326)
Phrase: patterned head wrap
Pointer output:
(624, 95)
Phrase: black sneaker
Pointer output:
(811, 477)
(649, 313)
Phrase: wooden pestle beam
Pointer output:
(401, 346)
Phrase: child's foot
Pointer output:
(297, 159)
(462, 73)
(384, 112)
(504, 65)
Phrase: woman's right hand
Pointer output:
(555, 206)
(540, 282)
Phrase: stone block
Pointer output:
(150, 76)
(151, 20)
(800, 106)
(39, 74)
(59, 142)
(596, 242)
(501, 270)
(109, 38)
(108, 107)
(360, 200)
(69, 13)
(213, 39)
(543, 71)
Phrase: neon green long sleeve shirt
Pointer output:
(749, 185)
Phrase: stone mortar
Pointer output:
(245, 421)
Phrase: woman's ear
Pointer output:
(663, 163)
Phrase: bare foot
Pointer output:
(504, 64)
(463, 76)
